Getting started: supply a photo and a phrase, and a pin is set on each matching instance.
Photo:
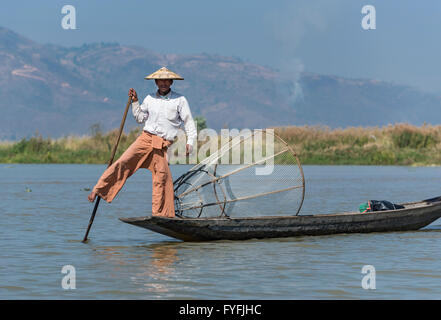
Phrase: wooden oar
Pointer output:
(110, 163)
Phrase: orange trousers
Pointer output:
(148, 151)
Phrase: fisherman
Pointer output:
(162, 113)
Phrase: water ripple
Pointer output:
(43, 233)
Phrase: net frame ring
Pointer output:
(299, 165)
(216, 180)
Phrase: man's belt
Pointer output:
(158, 142)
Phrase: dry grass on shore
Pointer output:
(400, 144)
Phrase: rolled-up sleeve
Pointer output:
(138, 111)
(189, 126)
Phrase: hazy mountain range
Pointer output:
(58, 91)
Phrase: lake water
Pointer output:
(45, 213)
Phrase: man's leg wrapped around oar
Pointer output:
(148, 151)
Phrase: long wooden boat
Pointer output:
(414, 216)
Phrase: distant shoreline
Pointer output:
(400, 144)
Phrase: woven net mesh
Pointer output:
(255, 174)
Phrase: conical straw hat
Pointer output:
(164, 73)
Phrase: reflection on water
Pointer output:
(157, 272)
(41, 233)
(163, 260)
(162, 267)
(152, 266)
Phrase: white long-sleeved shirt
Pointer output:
(163, 115)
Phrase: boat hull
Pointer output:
(413, 217)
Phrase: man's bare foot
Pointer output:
(91, 197)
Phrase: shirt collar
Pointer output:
(166, 97)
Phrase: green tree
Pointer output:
(201, 123)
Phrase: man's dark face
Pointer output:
(163, 85)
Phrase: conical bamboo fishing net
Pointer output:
(254, 174)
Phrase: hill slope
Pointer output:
(59, 91)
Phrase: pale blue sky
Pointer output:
(323, 36)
